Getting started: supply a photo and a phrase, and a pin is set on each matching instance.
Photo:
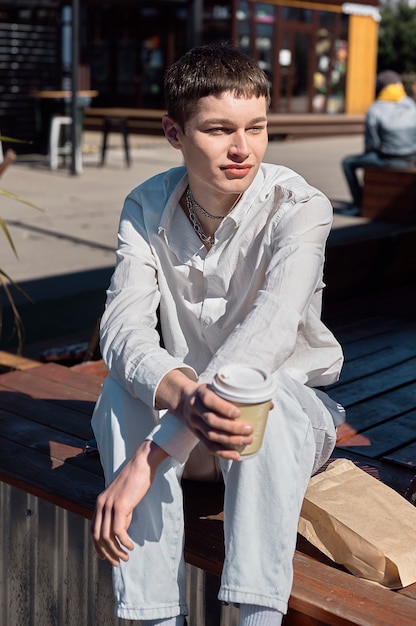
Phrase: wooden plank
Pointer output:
(58, 444)
(374, 329)
(372, 385)
(376, 339)
(65, 485)
(96, 368)
(406, 455)
(38, 386)
(15, 426)
(381, 408)
(67, 418)
(385, 358)
(380, 440)
(70, 376)
(10, 361)
(340, 599)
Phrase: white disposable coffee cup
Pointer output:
(251, 389)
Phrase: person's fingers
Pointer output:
(107, 541)
(210, 421)
(212, 401)
(95, 532)
(231, 453)
(220, 443)
(120, 524)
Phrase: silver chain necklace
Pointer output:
(190, 200)
(196, 223)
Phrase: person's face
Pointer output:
(223, 143)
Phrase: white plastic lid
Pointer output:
(243, 383)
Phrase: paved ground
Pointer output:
(77, 232)
(66, 253)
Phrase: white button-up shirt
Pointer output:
(254, 297)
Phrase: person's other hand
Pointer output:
(115, 505)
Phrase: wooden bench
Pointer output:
(287, 125)
(44, 414)
(45, 425)
(124, 121)
(148, 121)
(389, 194)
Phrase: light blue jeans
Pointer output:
(263, 497)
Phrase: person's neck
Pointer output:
(205, 223)
(213, 207)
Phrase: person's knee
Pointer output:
(351, 161)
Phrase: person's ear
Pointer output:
(171, 130)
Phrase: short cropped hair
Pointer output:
(211, 70)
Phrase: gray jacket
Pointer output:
(391, 128)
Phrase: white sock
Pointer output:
(178, 620)
(253, 615)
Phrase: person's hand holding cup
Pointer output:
(251, 389)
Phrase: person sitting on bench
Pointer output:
(390, 133)
(228, 252)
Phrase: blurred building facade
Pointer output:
(319, 55)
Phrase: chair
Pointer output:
(59, 144)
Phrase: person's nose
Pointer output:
(239, 146)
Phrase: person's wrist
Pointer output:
(156, 455)
(172, 389)
(148, 457)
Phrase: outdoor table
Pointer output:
(57, 102)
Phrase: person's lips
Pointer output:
(237, 170)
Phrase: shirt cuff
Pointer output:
(174, 437)
(146, 379)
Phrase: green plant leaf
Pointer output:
(17, 320)
(8, 236)
(13, 196)
(5, 279)
(15, 285)
(12, 140)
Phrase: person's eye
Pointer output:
(255, 130)
(217, 130)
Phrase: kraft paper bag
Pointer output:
(362, 524)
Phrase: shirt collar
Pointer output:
(255, 190)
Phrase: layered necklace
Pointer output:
(193, 206)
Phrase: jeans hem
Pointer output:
(150, 614)
(237, 597)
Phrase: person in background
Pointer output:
(390, 133)
(228, 252)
